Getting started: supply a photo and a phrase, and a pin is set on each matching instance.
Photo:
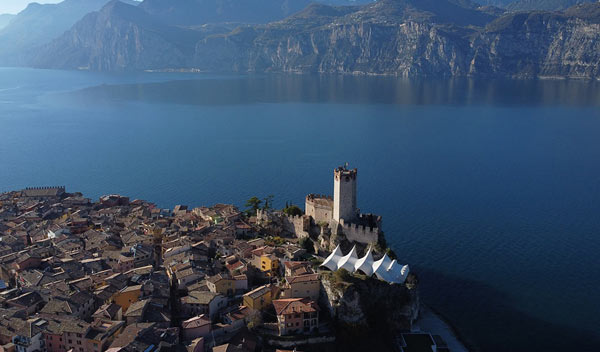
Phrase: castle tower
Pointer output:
(344, 194)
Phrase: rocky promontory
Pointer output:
(367, 309)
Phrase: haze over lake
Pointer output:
(490, 190)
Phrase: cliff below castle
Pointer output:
(368, 313)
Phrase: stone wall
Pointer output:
(298, 225)
(319, 207)
(359, 233)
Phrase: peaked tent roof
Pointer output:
(385, 268)
(365, 264)
(349, 260)
(331, 262)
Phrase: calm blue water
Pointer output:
(490, 190)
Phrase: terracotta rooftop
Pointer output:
(295, 305)
(302, 278)
(196, 322)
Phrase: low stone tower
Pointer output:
(344, 194)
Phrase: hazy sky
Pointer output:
(14, 6)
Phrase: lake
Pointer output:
(490, 190)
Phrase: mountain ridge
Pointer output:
(40, 23)
(392, 37)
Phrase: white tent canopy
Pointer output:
(365, 264)
(331, 262)
(385, 268)
(348, 261)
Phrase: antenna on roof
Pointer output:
(346, 165)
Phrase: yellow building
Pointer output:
(222, 284)
(258, 298)
(269, 264)
(126, 296)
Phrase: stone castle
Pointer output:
(331, 219)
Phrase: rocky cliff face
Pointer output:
(38, 24)
(516, 45)
(393, 37)
(369, 304)
(409, 49)
(540, 45)
(120, 37)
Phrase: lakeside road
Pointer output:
(430, 322)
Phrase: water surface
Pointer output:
(490, 190)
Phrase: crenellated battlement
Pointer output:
(343, 171)
(365, 229)
(312, 197)
(358, 227)
(63, 188)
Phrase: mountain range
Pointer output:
(5, 20)
(545, 5)
(394, 37)
(39, 24)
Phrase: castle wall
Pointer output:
(360, 233)
(319, 212)
(298, 225)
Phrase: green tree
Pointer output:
(268, 202)
(293, 210)
(307, 243)
(342, 275)
(252, 205)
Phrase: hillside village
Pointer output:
(125, 275)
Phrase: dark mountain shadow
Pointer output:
(487, 321)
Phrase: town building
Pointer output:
(296, 315)
(202, 302)
(258, 298)
(302, 286)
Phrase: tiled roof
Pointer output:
(257, 292)
(195, 322)
(200, 297)
(302, 278)
(295, 305)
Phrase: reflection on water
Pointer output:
(352, 90)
